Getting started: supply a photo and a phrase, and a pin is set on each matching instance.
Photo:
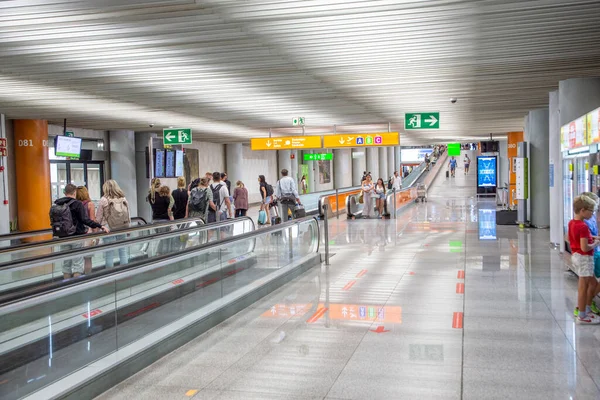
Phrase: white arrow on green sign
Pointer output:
(177, 136)
(424, 120)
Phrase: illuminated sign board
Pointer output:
(487, 171)
(574, 134)
(286, 143)
(361, 140)
(593, 132)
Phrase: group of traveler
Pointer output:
(373, 194)
(284, 199)
(75, 215)
(453, 162)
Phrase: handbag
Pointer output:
(361, 197)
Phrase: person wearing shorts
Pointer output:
(582, 249)
(452, 165)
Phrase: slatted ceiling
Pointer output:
(232, 69)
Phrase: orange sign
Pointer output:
(353, 312)
(286, 143)
(361, 140)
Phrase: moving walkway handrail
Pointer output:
(44, 232)
(337, 192)
(84, 251)
(25, 298)
(97, 235)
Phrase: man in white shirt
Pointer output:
(223, 203)
(287, 195)
(397, 183)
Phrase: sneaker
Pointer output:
(595, 308)
(589, 320)
(576, 312)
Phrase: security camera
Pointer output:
(151, 125)
(453, 100)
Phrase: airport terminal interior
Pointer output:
(216, 199)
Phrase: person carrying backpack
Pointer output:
(113, 211)
(68, 218)
(200, 201)
(266, 193)
(221, 200)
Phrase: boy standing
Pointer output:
(582, 250)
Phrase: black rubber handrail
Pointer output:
(97, 235)
(53, 257)
(58, 286)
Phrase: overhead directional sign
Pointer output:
(361, 140)
(424, 120)
(318, 157)
(177, 136)
(286, 143)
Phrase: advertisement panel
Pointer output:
(592, 126)
(574, 134)
(487, 171)
(414, 155)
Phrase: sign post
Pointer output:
(361, 140)
(318, 157)
(422, 120)
(286, 143)
(177, 136)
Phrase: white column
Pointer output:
(342, 168)
(373, 161)
(284, 161)
(383, 164)
(295, 161)
(537, 139)
(359, 165)
(555, 165)
(391, 159)
(123, 163)
(312, 165)
(234, 154)
(142, 180)
(398, 159)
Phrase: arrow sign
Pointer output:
(342, 141)
(422, 120)
(268, 143)
(177, 136)
(380, 329)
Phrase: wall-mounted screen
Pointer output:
(487, 171)
(159, 163)
(454, 149)
(169, 164)
(66, 146)
(574, 134)
(179, 170)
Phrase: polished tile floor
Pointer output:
(437, 304)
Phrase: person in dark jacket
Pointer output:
(73, 267)
(181, 199)
(225, 179)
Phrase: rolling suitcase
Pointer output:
(447, 174)
(299, 211)
(276, 219)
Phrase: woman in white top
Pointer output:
(368, 193)
(113, 211)
(380, 196)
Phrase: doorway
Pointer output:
(86, 173)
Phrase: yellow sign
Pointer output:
(286, 143)
(361, 140)
(595, 170)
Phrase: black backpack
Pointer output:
(270, 190)
(61, 219)
(390, 183)
(199, 200)
(216, 196)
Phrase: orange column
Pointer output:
(32, 167)
(513, 139)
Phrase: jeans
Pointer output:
(240, 212)
(73, 265)
(110, 254)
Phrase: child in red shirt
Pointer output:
(582, 250)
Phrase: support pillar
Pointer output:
(538, 141)
(295, 161)
(383, 164)
(555, 172)
(32, 175)
(398, 159)
(373, 161)
(233, 163)
(142, 173)
(122, 165)
(391, 158)
(342, 168)
(311, 174)
(283, 158)
(359, 165)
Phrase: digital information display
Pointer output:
(159, 163)
(66, 146)
(487, 171)
(487, 224)
(170, 164)
(179, 163)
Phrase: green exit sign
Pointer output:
(177, 136)
(422, 120)
(318, 157)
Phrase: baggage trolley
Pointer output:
(421, 193)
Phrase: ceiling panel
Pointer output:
(234, 69)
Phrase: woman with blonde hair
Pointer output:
(240, 199)
(83, 195)
(180, 196)
(113, 211)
